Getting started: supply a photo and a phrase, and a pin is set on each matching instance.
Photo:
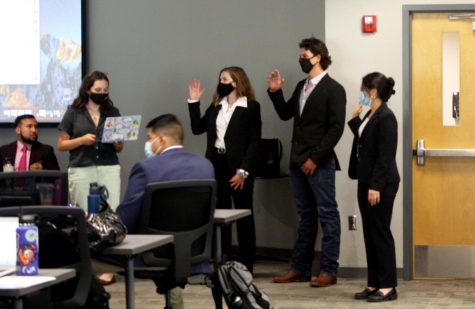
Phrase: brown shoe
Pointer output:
(290, 276)
(323, 280)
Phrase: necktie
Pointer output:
(22, 164)
(307, 87)
(306, 92)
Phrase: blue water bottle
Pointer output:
(94, 198)
(27, 246)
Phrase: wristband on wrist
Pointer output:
(242, 173)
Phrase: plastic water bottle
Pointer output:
(94, 197)
(27, 246)
(7, 165)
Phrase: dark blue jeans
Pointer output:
(315, 200)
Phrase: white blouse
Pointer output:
(224, 116)
(362, 126)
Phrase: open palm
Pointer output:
(194, 89)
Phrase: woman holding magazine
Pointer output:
(80, 133)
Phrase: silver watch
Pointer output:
(242, 173)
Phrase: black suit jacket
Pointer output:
(242, 135)
(319, 128)
(373, 155)
(39, 152)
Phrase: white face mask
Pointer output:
(148, 148)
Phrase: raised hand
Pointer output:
(194, 90)
(275, 81)
(358, 110)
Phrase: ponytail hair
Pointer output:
(383, 85)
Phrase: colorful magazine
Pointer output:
(125, 128)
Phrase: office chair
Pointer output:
(185, 209)
(75, 217)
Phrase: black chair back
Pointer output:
(76, 217)
(185, 209)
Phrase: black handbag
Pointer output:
(105, 228)
(270, 154)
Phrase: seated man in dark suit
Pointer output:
(167, 160)
(26, 153)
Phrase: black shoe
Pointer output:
(365, 293)
(379, 296)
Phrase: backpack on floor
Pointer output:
(238, 288)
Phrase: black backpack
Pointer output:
(238, 288)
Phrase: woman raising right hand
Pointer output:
(233, 128)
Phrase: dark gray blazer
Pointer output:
(373, 155)
(320, 127)
(242, 135)
(39, 153)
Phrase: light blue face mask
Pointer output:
(148, 148)
(364, 100)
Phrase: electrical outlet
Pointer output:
(352, 223)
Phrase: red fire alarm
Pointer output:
(369, 23)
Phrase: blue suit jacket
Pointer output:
(173, 164)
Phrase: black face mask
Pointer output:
(99, 98)
(306, 65)
(224, 89)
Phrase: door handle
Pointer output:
(421, 152)
(455, 106)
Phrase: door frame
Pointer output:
(408, 11)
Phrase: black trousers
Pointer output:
(379, 241)
(242, 199)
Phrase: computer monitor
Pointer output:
(8, 227)
(41, 187)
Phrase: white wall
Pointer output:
(355, 54)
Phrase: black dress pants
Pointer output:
(243, 199)
(379, 241)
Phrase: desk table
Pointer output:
(60, 274)
(221, 218)
(132, 246)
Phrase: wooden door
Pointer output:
(444, 187)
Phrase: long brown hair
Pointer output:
(81, 100)
(243, 84)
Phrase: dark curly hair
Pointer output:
(317, 47)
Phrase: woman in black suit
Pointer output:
(233, 127)
(373, 163)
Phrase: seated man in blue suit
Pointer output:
(166, 160)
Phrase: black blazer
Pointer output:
(320, 127)
(242, 135)
(373, 156)
(39, 152)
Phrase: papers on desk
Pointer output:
(15, 282)
(119, 129)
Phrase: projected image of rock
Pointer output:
(47, 86)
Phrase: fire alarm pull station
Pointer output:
(369, 23)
